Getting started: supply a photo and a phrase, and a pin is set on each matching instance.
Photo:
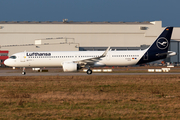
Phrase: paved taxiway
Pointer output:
(58, 72)
(18, 73)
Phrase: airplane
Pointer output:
(75, 60)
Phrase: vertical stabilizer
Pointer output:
(159, 49)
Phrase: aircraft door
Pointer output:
(108, 56)
(22, 57)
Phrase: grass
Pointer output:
(90, 97)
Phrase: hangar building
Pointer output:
(74, 36)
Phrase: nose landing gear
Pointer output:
(23, 72)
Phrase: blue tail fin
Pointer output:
(159, 49)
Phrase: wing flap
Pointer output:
(93, 60)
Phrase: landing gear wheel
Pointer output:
(89, 71)
(23, 73)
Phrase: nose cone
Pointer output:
(7, 62)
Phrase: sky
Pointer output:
(167, 11)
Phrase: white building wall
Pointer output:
(84, 34)
(55, 47)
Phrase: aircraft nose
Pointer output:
(6, 62)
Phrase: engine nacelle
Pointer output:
(70, 66)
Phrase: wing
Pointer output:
(93, 60)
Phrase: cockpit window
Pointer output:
(13, 57)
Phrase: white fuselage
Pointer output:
(57, 58)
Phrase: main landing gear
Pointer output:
(23, 72)
(89, 71)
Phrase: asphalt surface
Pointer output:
(11, 72)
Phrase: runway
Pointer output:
(18, 73)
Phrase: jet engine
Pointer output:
(70, 67)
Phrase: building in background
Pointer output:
(3, 56)
(74, 36)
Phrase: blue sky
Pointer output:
(92, 10)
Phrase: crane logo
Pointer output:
(162, 43)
